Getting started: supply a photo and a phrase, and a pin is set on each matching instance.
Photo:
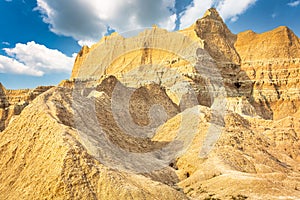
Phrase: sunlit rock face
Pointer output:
(271, 61)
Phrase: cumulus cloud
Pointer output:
(228, 9)
(194, 11)
(87, 20)
(231, 9)
(34, 59)
(10, 65)
(294, 3)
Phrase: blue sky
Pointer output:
(39, 39)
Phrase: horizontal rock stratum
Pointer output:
(200, 113)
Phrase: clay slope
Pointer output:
(51, 158)
(252, 158)
(85, 144)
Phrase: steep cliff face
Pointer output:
(12, 102)
(272, 60)
(219, 41)
(81, 56)
(165, 58)
(116, 55)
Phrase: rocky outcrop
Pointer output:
(278, 44)
(218, 39)
(219, 43)
(12, 102)
(79, 60)
(271, 61)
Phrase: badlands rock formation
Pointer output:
(12, 102)
(271, 61)
(196, 114)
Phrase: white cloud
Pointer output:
(87, 20)
(234, 19)
(169, 24)
(10, 65)
(228, 9)
(194, 12)
(294, 3)
(6, 43)
(232, 9)
(34, 59)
